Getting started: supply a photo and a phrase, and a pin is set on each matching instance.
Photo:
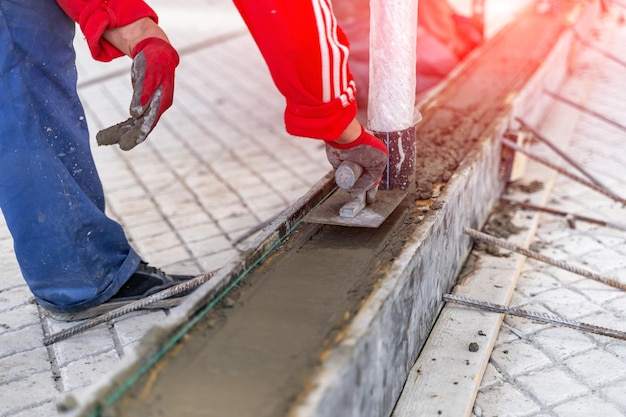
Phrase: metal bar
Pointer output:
(128, 308)
(598, 50)
(572, 216)
(585, 110)
(533, 315)
(559, 152)
(560, 170)
(535, 255)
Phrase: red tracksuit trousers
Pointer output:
(307, 55)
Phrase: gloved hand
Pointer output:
(367, 151)
(152, 74)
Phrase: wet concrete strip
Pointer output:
(251, 357)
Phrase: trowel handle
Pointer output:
(347, 173)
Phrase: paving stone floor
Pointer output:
(538, 370)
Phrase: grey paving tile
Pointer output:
(47, 409)
(209, 246)
(532, 283)
(491, 377)
(566, 303)
(552, 385)
(132, 328)
(265, 202)
(88, 370)
(518, 358)
(83, 345)
(22, 364)
(23, 394)
(615, 394)
(183, 222)
(216, 260)
(523, 327)
(505, 400)
(228, 210)
(173, 260)
(592, 367)
(199, 231)
(23, 339)
(587, 406)
(18, 318)
(604, 261)
(149, 230)
(14, 297)
(239, 223)
(131, 204)
(560, 342)
(158, 243)
(11, 275)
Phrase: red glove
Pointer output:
(368, 151)
(154, 63)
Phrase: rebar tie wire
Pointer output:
(593, 46)
(510, 144)
(585, 109)
(534, 315)
(570, 217)
(542, 258)
(559, 152)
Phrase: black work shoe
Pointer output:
(146, 280)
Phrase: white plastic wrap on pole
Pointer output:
(393, 34)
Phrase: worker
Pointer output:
(77, 261)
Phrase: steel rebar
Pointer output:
(546, 259)
(575, 217)
(128, 308)
(534, 315)
(585, 109)
(559, 152)
(560, 170)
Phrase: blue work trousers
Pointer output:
(70, 253)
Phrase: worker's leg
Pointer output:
(307, 55)
(71, 255)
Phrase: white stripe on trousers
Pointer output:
(335, 77)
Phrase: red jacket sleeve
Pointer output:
(97, 16)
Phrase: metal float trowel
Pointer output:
(355, 208)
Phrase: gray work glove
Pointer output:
(367, 151)
(152, 74)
